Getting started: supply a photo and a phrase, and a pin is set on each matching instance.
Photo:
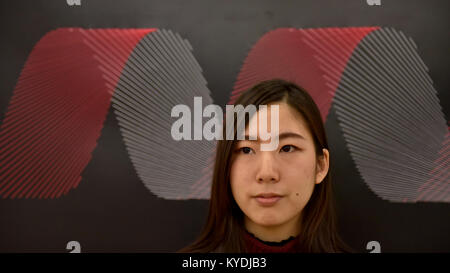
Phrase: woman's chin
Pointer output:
(269, 221)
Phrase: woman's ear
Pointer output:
(323, 164)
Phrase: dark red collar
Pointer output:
(255, 245)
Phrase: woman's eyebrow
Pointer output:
(290, 134)
(280, 136)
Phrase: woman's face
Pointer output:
(290, 172)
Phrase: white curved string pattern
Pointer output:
(392, 120)
(160, 73)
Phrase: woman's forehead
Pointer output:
(289, 121)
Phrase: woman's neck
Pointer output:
(275, 233)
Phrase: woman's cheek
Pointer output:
(302, 198)
(303, 168)
(301, 187)
(238, 178)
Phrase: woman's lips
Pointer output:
(267, 201)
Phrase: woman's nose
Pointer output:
(267, 168)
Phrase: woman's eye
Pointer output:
(287, 148)
(246, 150)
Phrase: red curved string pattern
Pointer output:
(57, 110)
(287, 53)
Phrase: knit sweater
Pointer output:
(256, 245)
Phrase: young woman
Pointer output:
(273, 201)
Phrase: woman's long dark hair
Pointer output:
(224, 228)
